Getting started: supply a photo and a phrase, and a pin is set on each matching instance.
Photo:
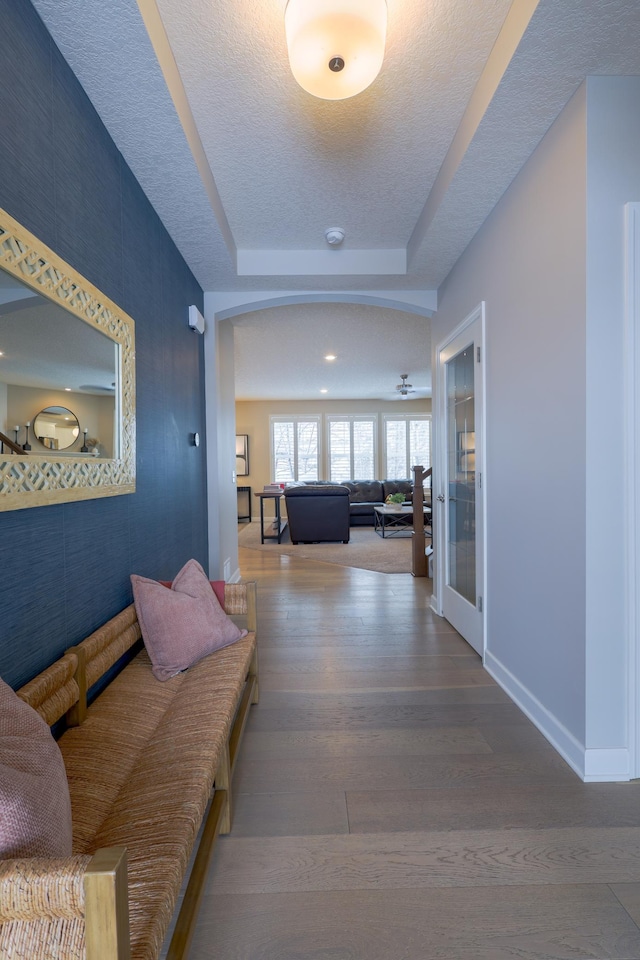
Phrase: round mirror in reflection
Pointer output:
(56, 428)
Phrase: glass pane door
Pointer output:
(461, 455)
(460, 582)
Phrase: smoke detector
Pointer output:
(334, 236)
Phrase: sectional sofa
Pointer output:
(364, 495)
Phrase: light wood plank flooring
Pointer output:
(393, 804)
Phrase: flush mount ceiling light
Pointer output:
(336, 47)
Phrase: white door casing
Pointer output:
(457, 597)
(632, 476)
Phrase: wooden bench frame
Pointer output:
(105, 879)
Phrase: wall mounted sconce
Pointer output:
(194, 439)
(336, 47)
(26, 445)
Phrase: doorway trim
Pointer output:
(477, 314)
(632, 477)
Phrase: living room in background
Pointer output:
(295, 448)
(407, 443)
(351, 448)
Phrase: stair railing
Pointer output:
(14, 447)
(419, 560)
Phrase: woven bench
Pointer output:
(149, 764)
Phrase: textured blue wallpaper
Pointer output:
(65, 569)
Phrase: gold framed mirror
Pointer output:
(61, 342)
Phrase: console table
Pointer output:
(278, 523)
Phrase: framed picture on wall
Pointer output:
(242, 455)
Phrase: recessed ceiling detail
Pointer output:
(246, 169)
(338, 261)
(233, 154)
(283, 164)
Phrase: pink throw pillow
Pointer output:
(35, 811)
(184, 624)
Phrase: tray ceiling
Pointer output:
(247, 171)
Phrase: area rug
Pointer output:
(365, 549)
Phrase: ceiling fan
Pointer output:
(404, 388)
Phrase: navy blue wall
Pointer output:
(65, 569)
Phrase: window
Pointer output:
(339, 448)
(407, 443)
(351, 448)
(295, 448)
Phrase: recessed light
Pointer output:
(330, 356)
(1, 353)
(67, 389)
(323, 390)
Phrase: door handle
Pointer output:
(440, 498)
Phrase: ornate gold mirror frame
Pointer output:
(34, 480)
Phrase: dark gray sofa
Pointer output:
(317, 513)
(364, 495)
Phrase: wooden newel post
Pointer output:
(419, 564)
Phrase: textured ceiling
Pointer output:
(247, 171)
(288, 165)
(373, 347)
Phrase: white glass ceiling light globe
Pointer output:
(336, 47)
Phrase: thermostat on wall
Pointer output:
(196, 320)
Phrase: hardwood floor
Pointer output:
(393, 804)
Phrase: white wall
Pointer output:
(549, 262)
(213, 415)
(227, 497)
(613, 178)
(221, 431)
(528, 263)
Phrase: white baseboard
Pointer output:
(605, 765)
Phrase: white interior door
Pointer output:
(460, 518)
